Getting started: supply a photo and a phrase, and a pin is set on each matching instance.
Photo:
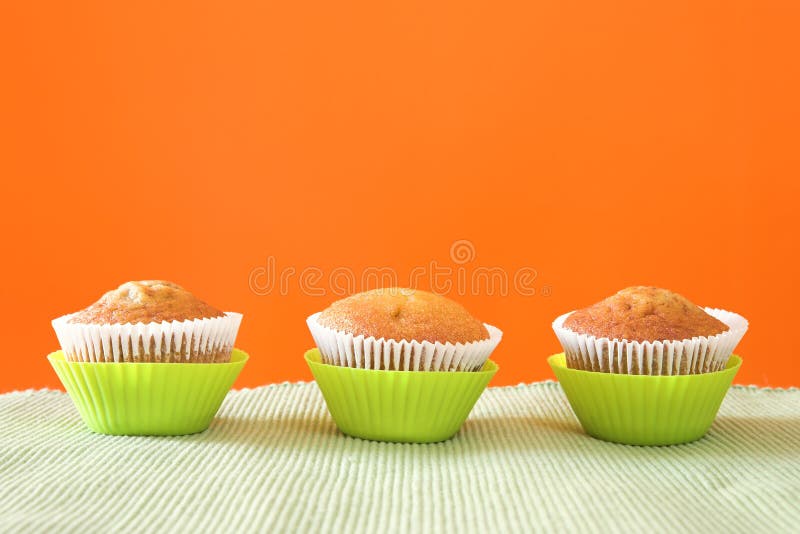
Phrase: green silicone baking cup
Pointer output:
(645, 410)
(150, 399)
(399, 406)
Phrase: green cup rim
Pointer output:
(314, 358)
(238, 357)
(558, 361)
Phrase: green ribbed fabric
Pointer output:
(274, 461)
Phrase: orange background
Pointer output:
(604, 144)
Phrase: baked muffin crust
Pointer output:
(145, 301)
(403, 314)
(642, 313)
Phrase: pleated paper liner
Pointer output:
(678, 357)
(644, 409)
(204, 340)
(147, 398)
(348, 350)
(398, 406)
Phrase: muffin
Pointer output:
(402, 329)
(148, 321)
(649, 331)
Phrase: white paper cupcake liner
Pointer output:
(195, 340)
(347, 350)
(688, 356)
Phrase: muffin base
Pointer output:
(221, 356)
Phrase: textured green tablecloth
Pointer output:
(274, 461)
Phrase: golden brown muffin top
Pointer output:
(643, 313)
(145, 301)
(399, 313)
